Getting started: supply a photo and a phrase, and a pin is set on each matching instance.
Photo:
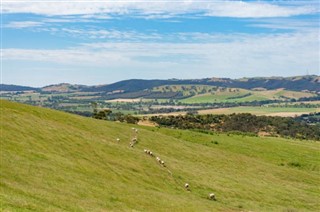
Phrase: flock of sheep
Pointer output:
(157, 158)
(134, 141)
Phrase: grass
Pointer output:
(218, 96)
(279, 111)
(56, 161)
(237, 95)
(292, 94)
(296, 103)
(185, 89)
(286, 111)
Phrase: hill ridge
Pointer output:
(304, 82)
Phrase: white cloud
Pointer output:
(257, 9)
(65, 56)
(246, 55)
(291, 24)
(23, 24)
(164, 9)
(111, 34)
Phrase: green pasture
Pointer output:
(54, 161)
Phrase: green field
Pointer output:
(279, 111)
(54, 161)
(242, 95)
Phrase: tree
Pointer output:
(94, 107)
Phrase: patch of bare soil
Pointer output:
(147, 123)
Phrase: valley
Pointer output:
(140, 97)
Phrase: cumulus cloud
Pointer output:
(164, 9)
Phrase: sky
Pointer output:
(99, 42)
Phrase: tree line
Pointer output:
(244, 123)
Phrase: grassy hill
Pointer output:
(243, 95)
(297, 83)
(55, 161)
(212, 94)
(5, 88)
(63, 88)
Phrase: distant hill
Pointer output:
(56, 161)
(5, 87)
(208, 90)
(299, 83)
(130, 85)
(63, 88)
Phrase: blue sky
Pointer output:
(99, 42)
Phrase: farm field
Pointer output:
(266, 111)
(296, 103)
(167, 99)
(269, 111)
(242, 95)
(125, 100)
(56, 161)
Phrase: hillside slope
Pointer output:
(60, 162)
(298, 83)
(5, 87)
(63, 87)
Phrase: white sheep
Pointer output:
(118, 139)
(186, 186)
(151, 153)
(212, 196)
(162, 163)
(145, 151)
(158, 159)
